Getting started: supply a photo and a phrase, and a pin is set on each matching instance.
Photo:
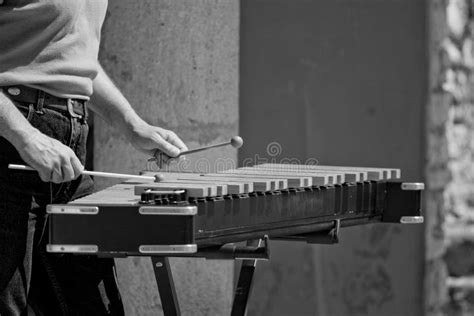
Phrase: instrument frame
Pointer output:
(183, 231)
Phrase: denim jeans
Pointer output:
(53, 284)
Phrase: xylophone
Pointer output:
(192, 214)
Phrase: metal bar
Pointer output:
(327, 237)
(166, 289)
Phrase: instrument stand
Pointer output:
(244, 285)
(166, 289)
(250, 254)
(254, 250)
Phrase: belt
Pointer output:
(75, 107)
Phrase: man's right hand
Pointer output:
(54, 161)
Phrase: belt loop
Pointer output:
(84, 108)
(70, 109)
(40, 102)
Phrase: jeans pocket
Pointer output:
(8, 153)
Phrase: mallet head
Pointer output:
(236, 141)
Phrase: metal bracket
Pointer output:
(412, 220)
(413, 186)
(72, 209)
(72, 248)
(167, 249)
(168, 210)
(403, 202)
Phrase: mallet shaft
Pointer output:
(235, 141)
(203, 148)
(92, 173)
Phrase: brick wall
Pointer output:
(450, 180)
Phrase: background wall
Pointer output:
(344, 82)
(450, 127)
(177, 62)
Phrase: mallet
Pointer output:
(95, 173)
(235, 142)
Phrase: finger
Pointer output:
(168, 148)
(45, 176)
(176, 141)
(56, 176)
(76, 166)
(67, 172)
(45, 173)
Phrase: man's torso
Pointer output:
(51, 45)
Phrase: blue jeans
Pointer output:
(55, 284)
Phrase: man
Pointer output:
(48, 72)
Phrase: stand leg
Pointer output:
(244, 285)
(166, 289)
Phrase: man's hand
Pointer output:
(54, 161)
(111, 105)
(148, 139)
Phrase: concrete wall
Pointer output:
(344, 82)
(177, 62)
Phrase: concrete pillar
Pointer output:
(177, 62)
